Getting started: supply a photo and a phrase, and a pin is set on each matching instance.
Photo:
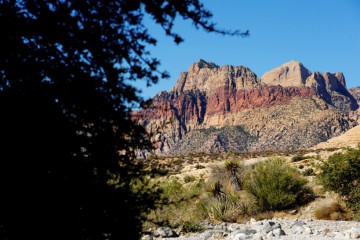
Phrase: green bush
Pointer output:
(354, 201)
(276, 185)
(341, 174)
(191, 226)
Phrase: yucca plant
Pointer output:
(233, 168)
(215, 190)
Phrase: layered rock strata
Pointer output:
(227, 108)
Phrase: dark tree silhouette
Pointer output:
(65, 101)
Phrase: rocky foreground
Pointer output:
(279, 228)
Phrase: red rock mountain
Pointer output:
(228, 108)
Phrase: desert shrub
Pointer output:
(158, 172)
(172, 191)
(192, 226)
(178, 161)
(341, 173)
(297, 158)
(309, 172)
(246, 205)
(216, 191)
(354, 201)
(330, 211)
(199, 166)
(276, 185)
(178, 204)
(222, 209)
(189, 178)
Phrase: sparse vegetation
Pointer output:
(235, 192)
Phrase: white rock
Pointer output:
(252, 221)
(233, 227)
(166, 232)
(298, 230)
(147, 237)
(308, 231)
(270, 234)
(278, 232)
(338, 235)
(240, 236)
(353, 233)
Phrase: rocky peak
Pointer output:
(315, 80)
(208, 77)
(290, 74)
(202, 64)
(341, 78)
(334, 82)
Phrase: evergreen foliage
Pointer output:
(68, 140)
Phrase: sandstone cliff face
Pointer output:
(330, 87)
(208, 77)
(220, 109)
(289, 74)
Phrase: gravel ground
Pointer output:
(279, 228)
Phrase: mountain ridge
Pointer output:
(209, 95)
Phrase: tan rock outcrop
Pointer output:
(350, 138)
(208, 77)
(291, 74)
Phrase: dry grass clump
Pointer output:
(331, 211)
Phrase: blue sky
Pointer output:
(322, 34)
